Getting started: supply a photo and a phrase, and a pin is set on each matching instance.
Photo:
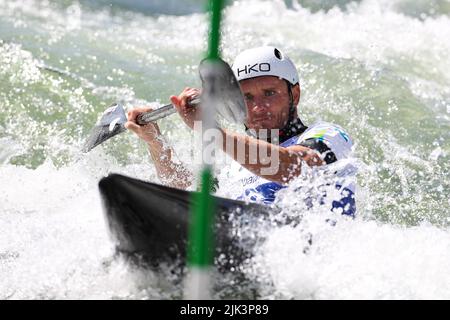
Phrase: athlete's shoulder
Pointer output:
(323, 129)
(329, 134)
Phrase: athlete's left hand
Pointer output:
(187, 112)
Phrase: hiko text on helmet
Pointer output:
(257, 67)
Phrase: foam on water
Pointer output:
(54, 240)
(356, 260)
(380, 69)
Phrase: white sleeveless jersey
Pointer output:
(323, 137)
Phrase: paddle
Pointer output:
(230, 106)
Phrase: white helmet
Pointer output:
(264, 61)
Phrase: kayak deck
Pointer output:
(150, 221)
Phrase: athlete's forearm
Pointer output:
(264, 159)
(171, 173)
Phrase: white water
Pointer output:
(378, 69)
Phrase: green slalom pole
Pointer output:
(200, 253)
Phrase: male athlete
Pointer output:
(270, 84)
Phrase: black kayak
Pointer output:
(150, 222)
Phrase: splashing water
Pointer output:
(380, 69)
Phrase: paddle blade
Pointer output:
(218, 80)
(110, 124)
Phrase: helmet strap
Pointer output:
(291, 103)
(294, 126)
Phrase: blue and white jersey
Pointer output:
(333, 143)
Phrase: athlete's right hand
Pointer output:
(149, 132)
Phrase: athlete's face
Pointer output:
(267, 100)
